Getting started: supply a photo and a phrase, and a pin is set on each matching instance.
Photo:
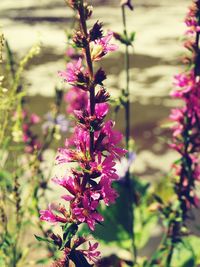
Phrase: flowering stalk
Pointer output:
(187, 118)
(94, 146)
(185, 140)
(187, 122)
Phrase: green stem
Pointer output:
(169, 257)
(127, 68)
(127, 134)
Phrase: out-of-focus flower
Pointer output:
(76, 99)
(124, 164)
(60, 120)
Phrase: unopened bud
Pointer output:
(100, 76)
(96, 32)
(127, 3)
(79, 39)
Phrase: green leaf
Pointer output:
(69, 230)
(6, 180)
(187, 253)
(145, 223)
(2, 261)
(42, 261)
(132, 36)
(117, 220)
(43, 239)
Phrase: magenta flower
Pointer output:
(107, 192)
(81, 141)
(72, 72)
(185, 82)
(49, 216)
(76, 99)
(112, 138)
(67, 155)
(104, 166)
(91, 253)
(101, 47)
(101, 110)
(87, 213)
(75, 75)
(68, 183)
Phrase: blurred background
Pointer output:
(155, 59)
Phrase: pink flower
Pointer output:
(112, 138)
(177, 114)
(101, 47)
(87, 213)
(104, 166)
(107, 192)
(101, 110)
(66, 155)
(72, 71)
(49, 216)
(74, 74)
(34, 119)
(68, 183)
(76, 99)
(81, 141)
(184, 81)
(70, 51)
(91, 253)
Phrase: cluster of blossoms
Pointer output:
(186, 128)
(94, 146)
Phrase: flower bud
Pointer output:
(127, 3)
(79, 39)
(96, 32)
(100, 76)
(88, 11)
(102, 96)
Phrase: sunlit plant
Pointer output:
(94, 147)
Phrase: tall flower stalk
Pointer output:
(93, 147)
(185, 140)
(187, 118)
(186, 129)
